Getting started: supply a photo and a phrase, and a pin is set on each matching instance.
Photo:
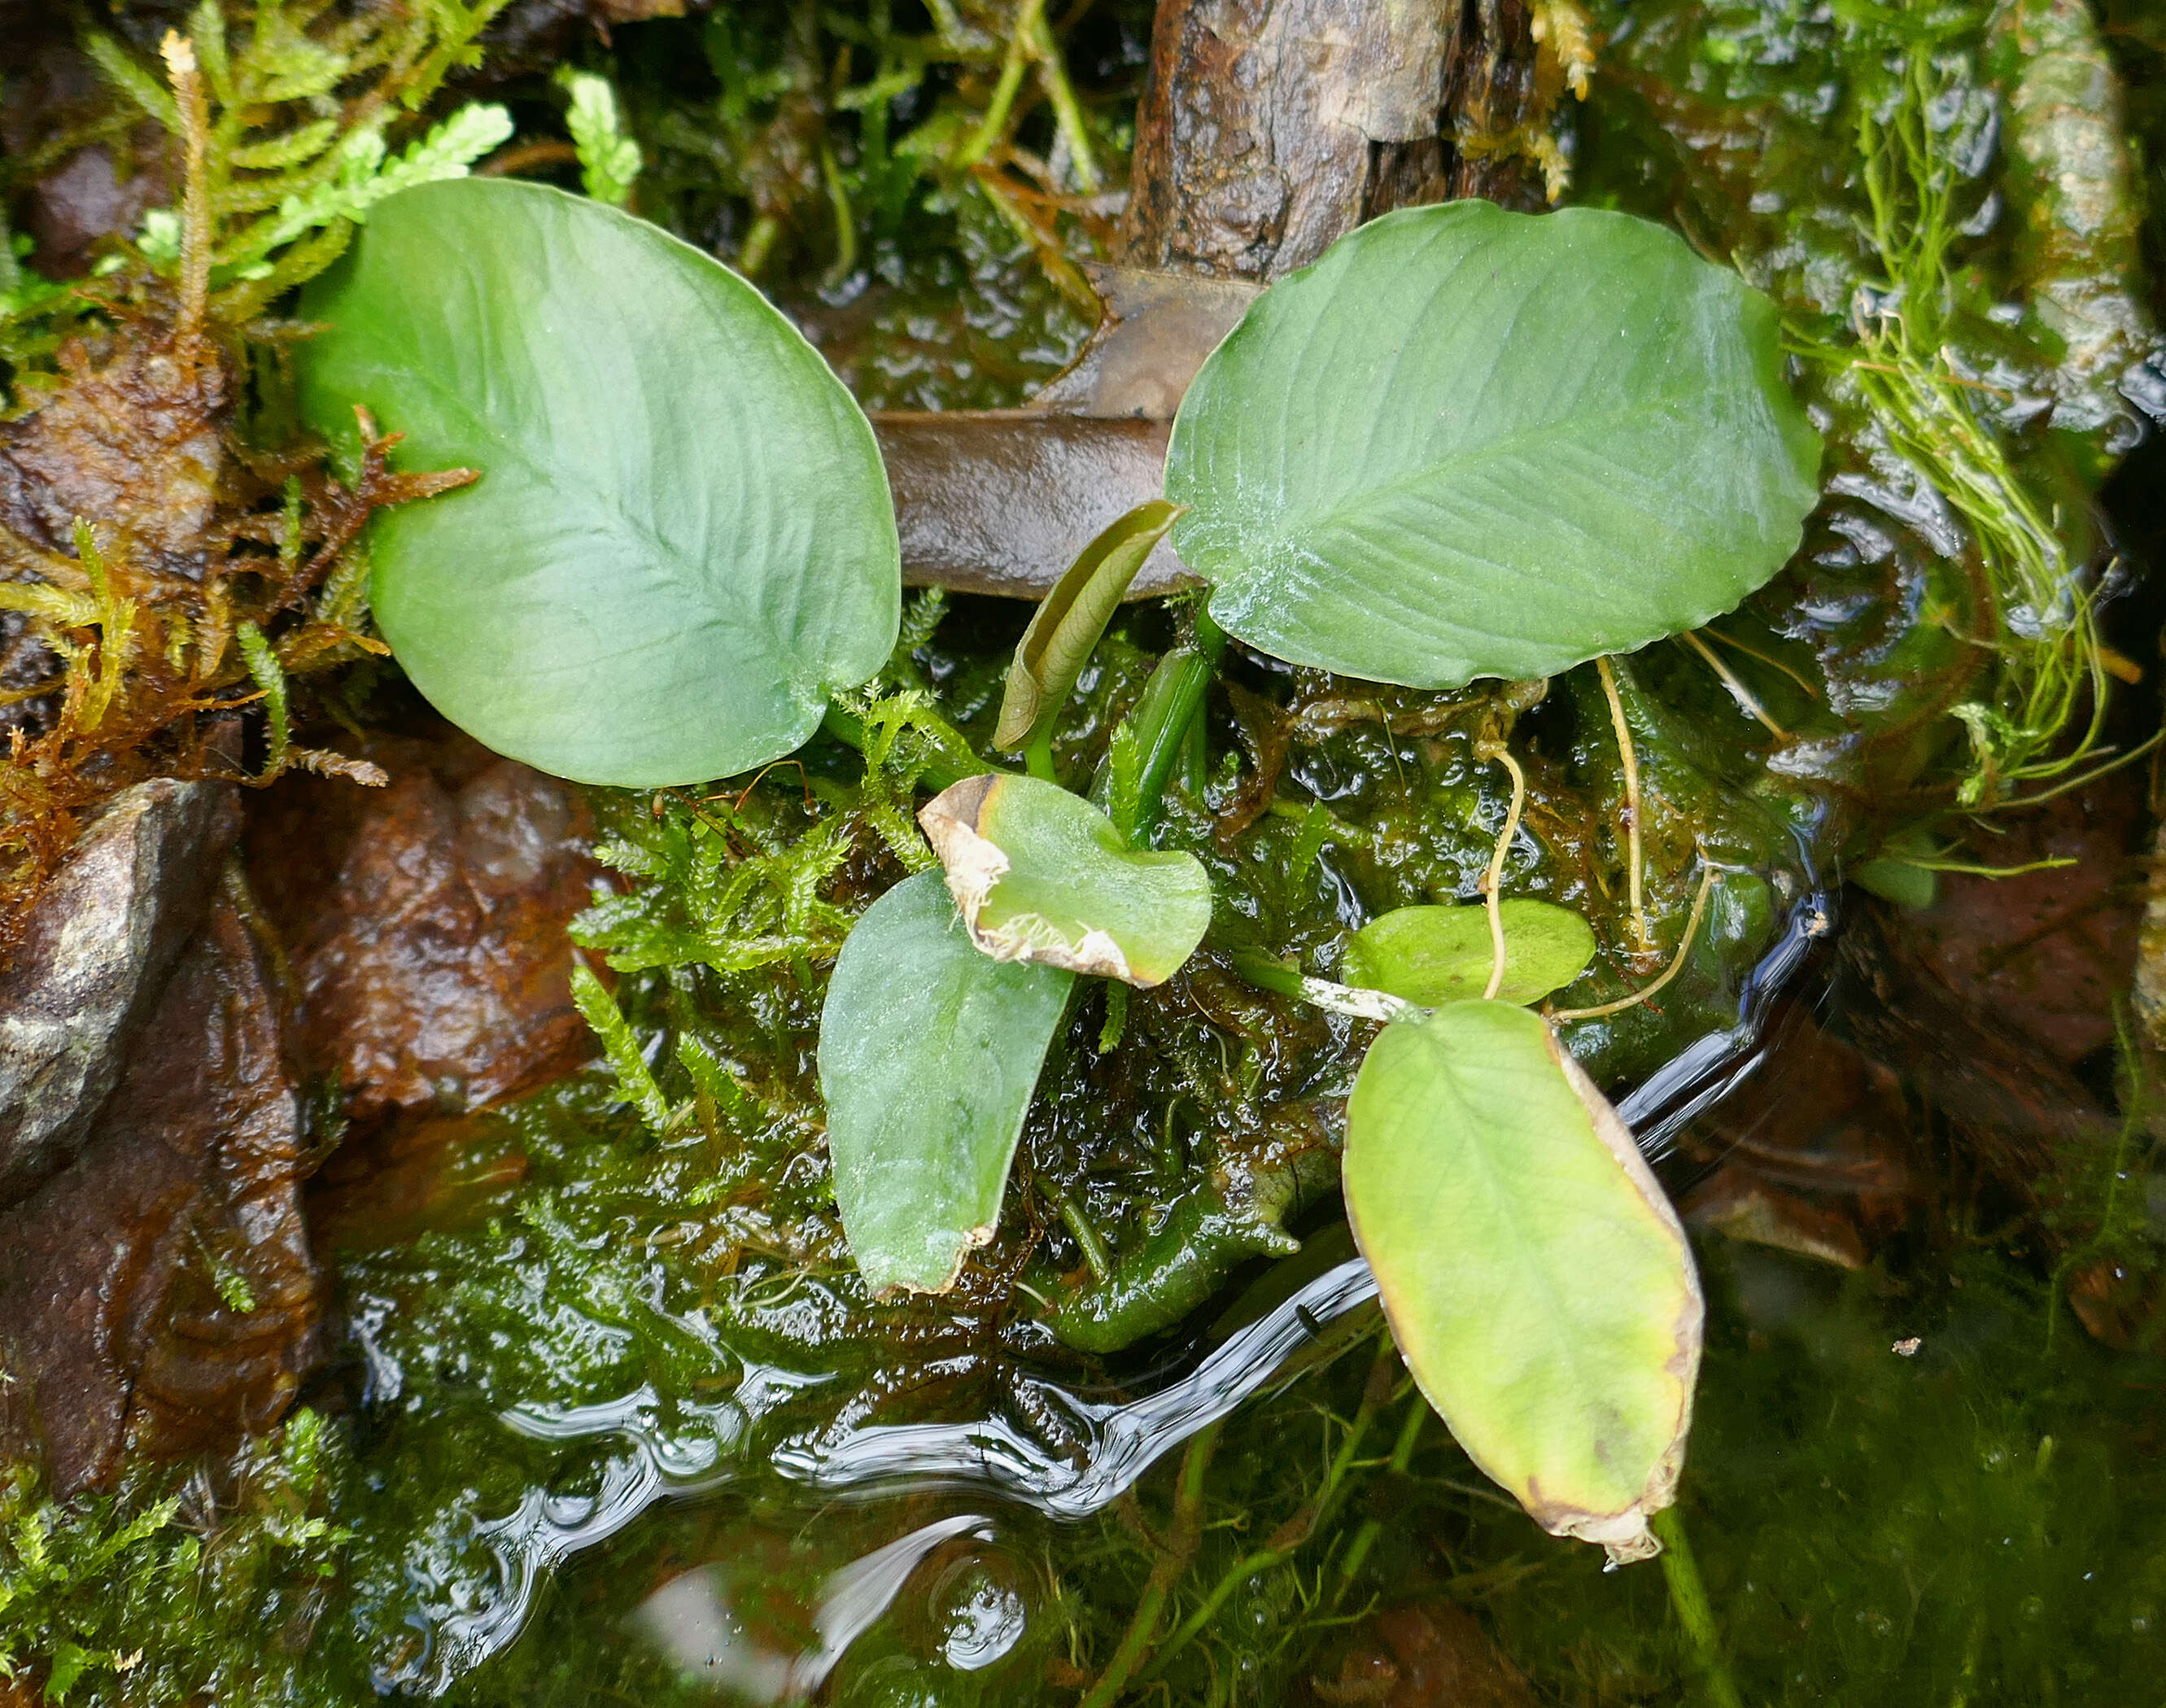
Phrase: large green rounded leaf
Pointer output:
(1535, 1277)
(1433, 955)
(929, 1052)
(1043, 876)
(682, 540)
(1473, 443)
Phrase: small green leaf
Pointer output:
(929, 1052)
(270, 679)
(1069, 621)
(682, 541)
(1536, 1279)
(608, 159)
(1473, 443)
(1041, 874)
(635, 1080)
(365, 177)
(1433, 955)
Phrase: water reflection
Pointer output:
(694, 1621)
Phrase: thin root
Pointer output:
(1677, 964)
(1738, 691)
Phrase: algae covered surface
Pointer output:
(604, 1364)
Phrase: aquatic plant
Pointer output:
(683, 577)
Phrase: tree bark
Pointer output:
(1270, 128)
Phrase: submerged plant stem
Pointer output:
(1669, 972)
(1738, 691)
(1087, 1238)
(1402, 1455)
(1304, 1524)
(1492, 882)
(1181, 1540)
(1688, 1596)
(1629, 761)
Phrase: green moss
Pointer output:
(182, 1586)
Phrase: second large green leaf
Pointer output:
(682, 540)
(929, 1052)
(1473, 443)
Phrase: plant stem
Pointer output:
(758, 243)
(1004, 94)
(1630, 761)
(1165, 720)
(180, 57)
(1300, 1526)
(1402, 1454)
(1181, 1537)
(846, 224)
(1350, 1000)
(1688, 1596)
(1738, 691)
(1038, 755)
(1676, 963)
(1492, 880)
(1067, 111)
(1095, 1257)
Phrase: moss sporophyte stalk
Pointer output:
(998, 1014)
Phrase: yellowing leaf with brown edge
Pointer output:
(1535, 1277)
(1042, 876)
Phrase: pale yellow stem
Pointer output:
(1738, 691)
(1691, 927)
(1630, 760)
(180, 57)
(1493, 880)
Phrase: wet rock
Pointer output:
(1431, 1654)
(129, 439)
(101, 941)
(1158, 330)
(157, 1295)
(419, 1174)
(1001, 501)
(2049, 952)
(100, 189)
(1808, 1156)
(424, 925)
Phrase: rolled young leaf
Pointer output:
(1042, 876)
(1069, 621)
(929, 1052)
(1535, 1276)
(1433, 955)
(1473, 443)
(682, 540)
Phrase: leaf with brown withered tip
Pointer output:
(1041, 874)
(1535, 1276)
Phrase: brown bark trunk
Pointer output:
(1270, 128)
